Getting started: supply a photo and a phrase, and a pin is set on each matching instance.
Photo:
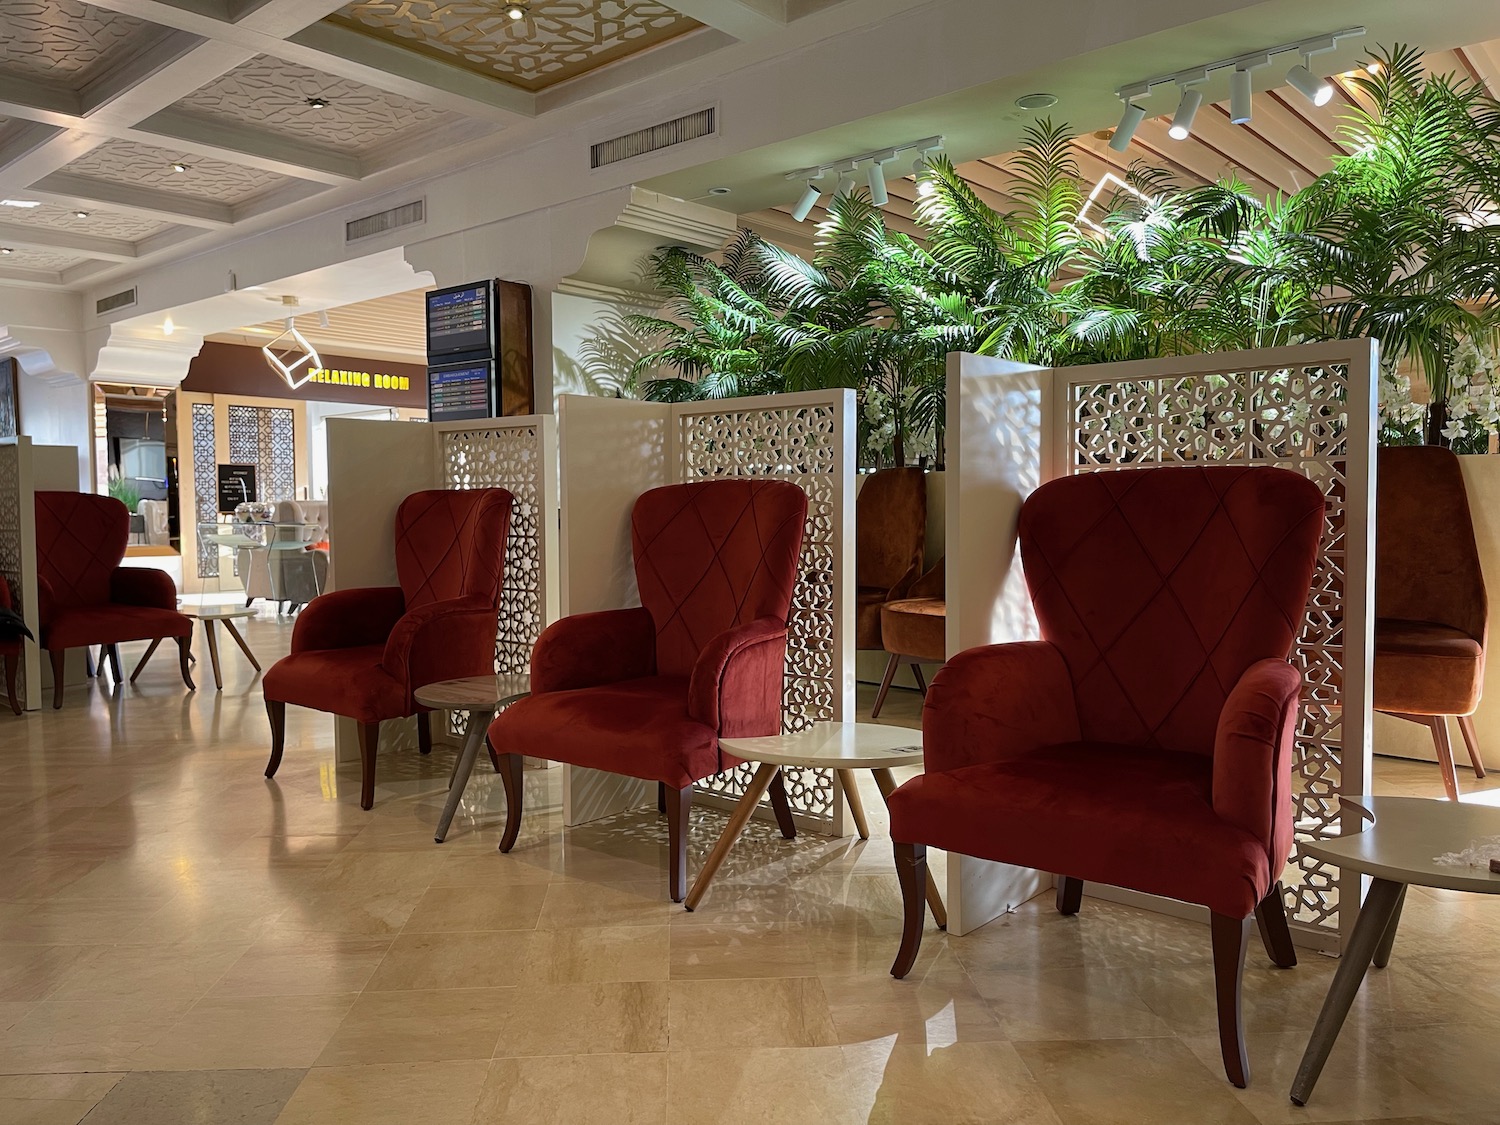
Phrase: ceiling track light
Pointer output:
(876, 178)
(848, 168)
(1317, 90)
(1187, 110)
(808, 201)
(846, 182)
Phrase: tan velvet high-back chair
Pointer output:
(1431, 611)
(914, 631)
(890, 533)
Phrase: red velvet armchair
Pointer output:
(648, 692)
(361, 653)
(1146, 741)
(86, 597)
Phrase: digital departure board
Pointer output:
(460, 392)
(461, 321)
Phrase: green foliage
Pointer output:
(1399, 241)
(124, 491)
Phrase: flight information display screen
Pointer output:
(460, 320)
(460, 392)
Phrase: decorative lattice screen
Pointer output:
(1309, 409)
(264, 436)
(804, 442)
(11, 549)
(513, 457)
(205, 484)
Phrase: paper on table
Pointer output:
(1477, 854)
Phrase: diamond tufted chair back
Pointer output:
(711, 555)
(450, 543)
(1161, 587)
(80, 540)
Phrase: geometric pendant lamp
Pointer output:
(291, 356)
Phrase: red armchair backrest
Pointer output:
(80, 540)
(711, 555)
(450, 543)
(1161, 586)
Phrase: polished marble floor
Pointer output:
(185, 943)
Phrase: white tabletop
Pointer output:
(855, 746)
(216, 612)
(473, 691)
(1407, 835)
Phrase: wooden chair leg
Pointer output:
(276, 713)
(114, 664)
(59, 663)
(1438, 724)
(12, 664)
(661, 798)
(1275, 933)
(679, 805)
(885, 684)
(511, 766)
(1230, 938)
(369, 743)
(183, 659)
(1069, 894)
(916, 671)
(1471, 743)
(911, 872)
(781, 807)
(424, 732)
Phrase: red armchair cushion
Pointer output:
(1160, 586)
(711, 555)
(1422, 668)
(639, 728)
(450, 543)
(108, 624)
(80, 540)
(143, 586)
(343, 681)
(1129, 816)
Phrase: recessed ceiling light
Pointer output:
(1037, 101)
(317, 102)
(516, 11)
(28, 203)
(179, 166)
(80, 214)
(719, 190)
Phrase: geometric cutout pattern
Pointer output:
(509, 457)
(264, 436)
(273, 95)
(558, 39)
(100, 223)
(143, 165)
(205, 484)
(1297, 418)
(10, 535)
(65, 41)
(30, 258)
(798, 444)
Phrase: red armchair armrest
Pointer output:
(996, 702)
(736, 684)
(443, 640)
(589, 649)
(1253, 756)
(135, 585)
(348, 618)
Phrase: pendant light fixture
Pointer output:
(291, 356)
(1240, 97)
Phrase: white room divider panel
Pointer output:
(18, 554)
(613, 450)
(1310, 409)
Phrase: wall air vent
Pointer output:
(406, 215)
(125, 299)
(689, 127)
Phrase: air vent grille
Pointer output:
(689, 127)
(125, 299)
(406, 215)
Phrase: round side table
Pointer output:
(1398, 849)
(841, 747)
(479, 697)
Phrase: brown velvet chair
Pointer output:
(914, 631)
(890, 531)
(1431, 612)
(11, 650)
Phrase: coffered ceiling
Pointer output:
(174, 123)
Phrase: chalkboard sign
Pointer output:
(236, 487)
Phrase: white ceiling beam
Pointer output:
(35, 150)
(133, 200)
(48, 238)
(744, 19)
(243, 144)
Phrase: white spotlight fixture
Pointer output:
(1239, 97)
(1130, 121)
(1316, 90)
(516, 11)
(878, 194)
(808, 201)
(323, 319)
(1187, 109)
(846, 182)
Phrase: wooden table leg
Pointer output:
(856, 806)
(479, 724)
(144, 658)
(737, 821)
(1375, 917)
(887, 785)
(240, 640)
(213, 651)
